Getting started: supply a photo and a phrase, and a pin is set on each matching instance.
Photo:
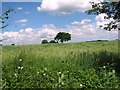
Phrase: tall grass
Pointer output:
(59, 65)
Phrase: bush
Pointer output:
(44, 41)
(13, 44)
(52, 41)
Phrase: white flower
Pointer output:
(15, 75)
(45, 69)
(103, 66)
(53, 79)
(21, 67)
(81, 85)
(67, 71)
(44, 74)
(38, 72)
(20, 60)
(62, 82)
(59, 72)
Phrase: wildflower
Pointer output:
(15, 75)
(45, 69)
(20, 60)
(38, 72)
(62, 82)
(44, 74)
(53, 79)
(59, 72)
(67, 71)
(81, 85)
(103, 66)
(21, 67)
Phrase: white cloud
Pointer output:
(82, 22)
(65, 6)
(19, 8)
(100, 17)
(23, 24)
(101, 21)
(36, 35)
(23, 20)
(28, 29)
(27, 12)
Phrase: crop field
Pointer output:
(61, 65)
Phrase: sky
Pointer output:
(31, 22)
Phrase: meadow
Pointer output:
(61, 65)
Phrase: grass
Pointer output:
(61, 65)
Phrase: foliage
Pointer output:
(62, 36)
(52, 41)
(13, 44)
(65, 65)
(4, 16)
(112, 9)
(44, 41)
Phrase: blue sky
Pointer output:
(44, 20)
(37, 19)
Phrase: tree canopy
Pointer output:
(62, 36)
(111, 9)
(44, 41)
(52, 41)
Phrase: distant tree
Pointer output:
(111, 9)
(62, 36)
(4, 16)
(44, 41)
(13, 44)
(52, 41)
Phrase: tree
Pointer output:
(111, 9)
(44, 41)
(13, 44)
(52, 41)
(62, 36)
(3, 17)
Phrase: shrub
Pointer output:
(52, 41)
(44, 41)
(13, 44)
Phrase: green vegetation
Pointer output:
(61, 65)
(5, 16)
(52, 41)
(44, 41)
(62, 36)
(111, 9)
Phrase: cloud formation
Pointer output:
(36, 35)
(23, 24)
(65, 6)
(82, 22)
(101, 21)
(27, 12)
(23, 20)
(19, 8)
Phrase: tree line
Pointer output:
(60, 37)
